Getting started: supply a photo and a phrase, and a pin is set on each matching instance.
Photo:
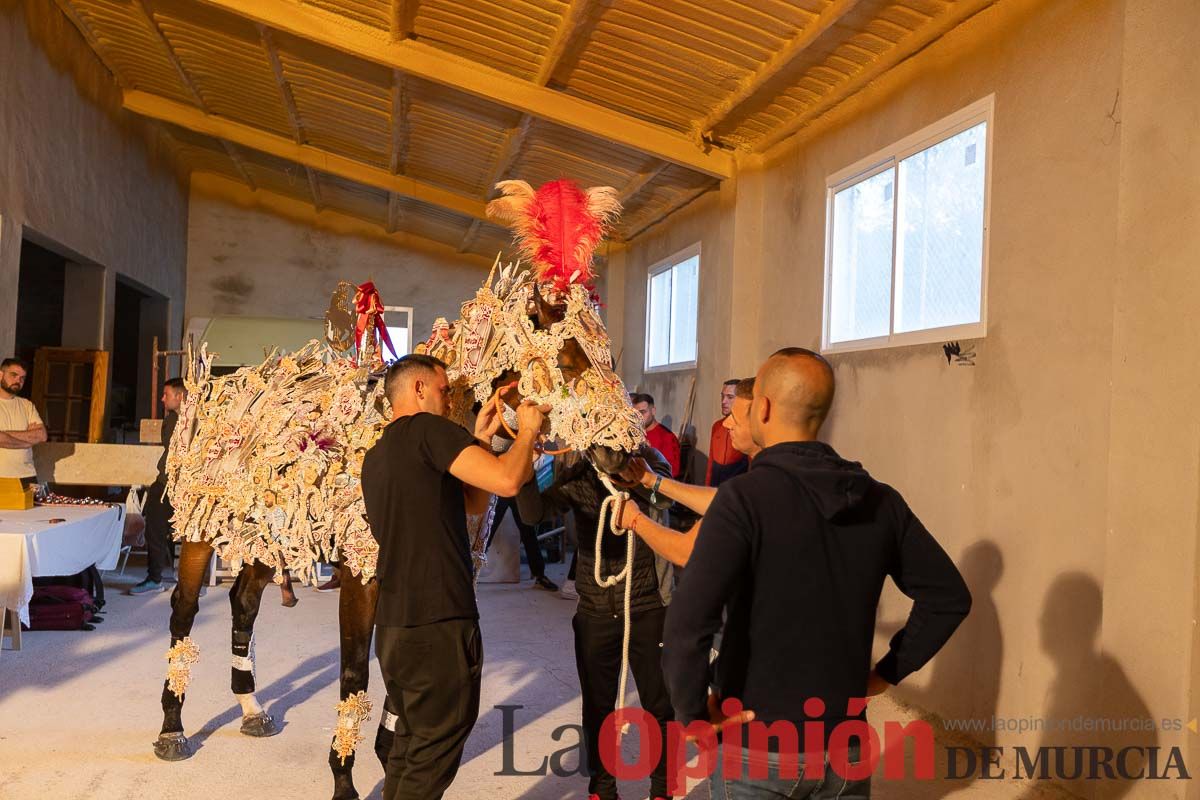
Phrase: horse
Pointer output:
(550, 343)
(296, 427)
(263, 469)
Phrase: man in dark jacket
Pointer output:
(797, 551)
(160, 544)
(599, 621)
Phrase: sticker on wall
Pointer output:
(954, 354)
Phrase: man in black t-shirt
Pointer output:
(417, 482)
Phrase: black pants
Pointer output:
(533, 549)
(432, 675)
(598, 657)
(160, 549)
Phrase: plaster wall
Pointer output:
(79, 175)
(1061, 471)
(253, 254)
(702, 222)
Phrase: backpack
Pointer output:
(62, 608)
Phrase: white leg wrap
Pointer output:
(246, 662)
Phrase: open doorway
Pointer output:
(40, 292)
(123, 397)
(65, 302)
(139, 315)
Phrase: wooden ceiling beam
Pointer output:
(469, 239)
(510, 150)
(400, 127)
(428, 63)
(186, 80)
(194, 119)
(394, 213)
(777, 63)
(653, 220)
(285, 89)
(639, 182)
(403, 14)
(314, 188)
(566, 36)
(913, 43)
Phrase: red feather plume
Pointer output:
(558, 227)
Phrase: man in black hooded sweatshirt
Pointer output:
(797, 550)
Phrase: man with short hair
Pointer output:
(20, 425)
(418, 482)
(599, 621)
(160, 544)
(670, 544)
(724, 460)
(660, 436)
(796, 552)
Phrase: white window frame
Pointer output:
(657, 268)
(889, 158)
(408, 312)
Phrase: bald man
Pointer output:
(796, 551)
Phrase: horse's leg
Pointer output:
(244, 599)
(356, 621)
(172, 745)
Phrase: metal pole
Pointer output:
(154, 381)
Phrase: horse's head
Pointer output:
(541, 327)
(551, 343)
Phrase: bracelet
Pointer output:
(654, 490)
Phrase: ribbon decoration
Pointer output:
(367, 302)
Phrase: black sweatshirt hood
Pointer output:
(833, 483)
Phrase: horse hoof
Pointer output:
(172, 747)
(259, 725)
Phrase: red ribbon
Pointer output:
(366, 302)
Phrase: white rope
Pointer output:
(614, 504)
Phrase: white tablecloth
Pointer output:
(31, 546)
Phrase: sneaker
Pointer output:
(542, 582)
(567, 592)
(147, 586)
(333, 583)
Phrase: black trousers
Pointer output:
(432, 675)
(533, 549)
(598, 657)
(160, 549)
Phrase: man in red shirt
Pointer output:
(659, 435)
(724, 460)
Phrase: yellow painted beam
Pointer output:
(192, 118)
(777, 63)
(912, 44)
(431, 64)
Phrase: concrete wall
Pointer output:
(1061, 471)
(255, 254)
(79, 175)
(627, 285)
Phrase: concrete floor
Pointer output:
(79, 710)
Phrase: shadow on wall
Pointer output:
(967, 667)
(1088, 685)
(1089, 689)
